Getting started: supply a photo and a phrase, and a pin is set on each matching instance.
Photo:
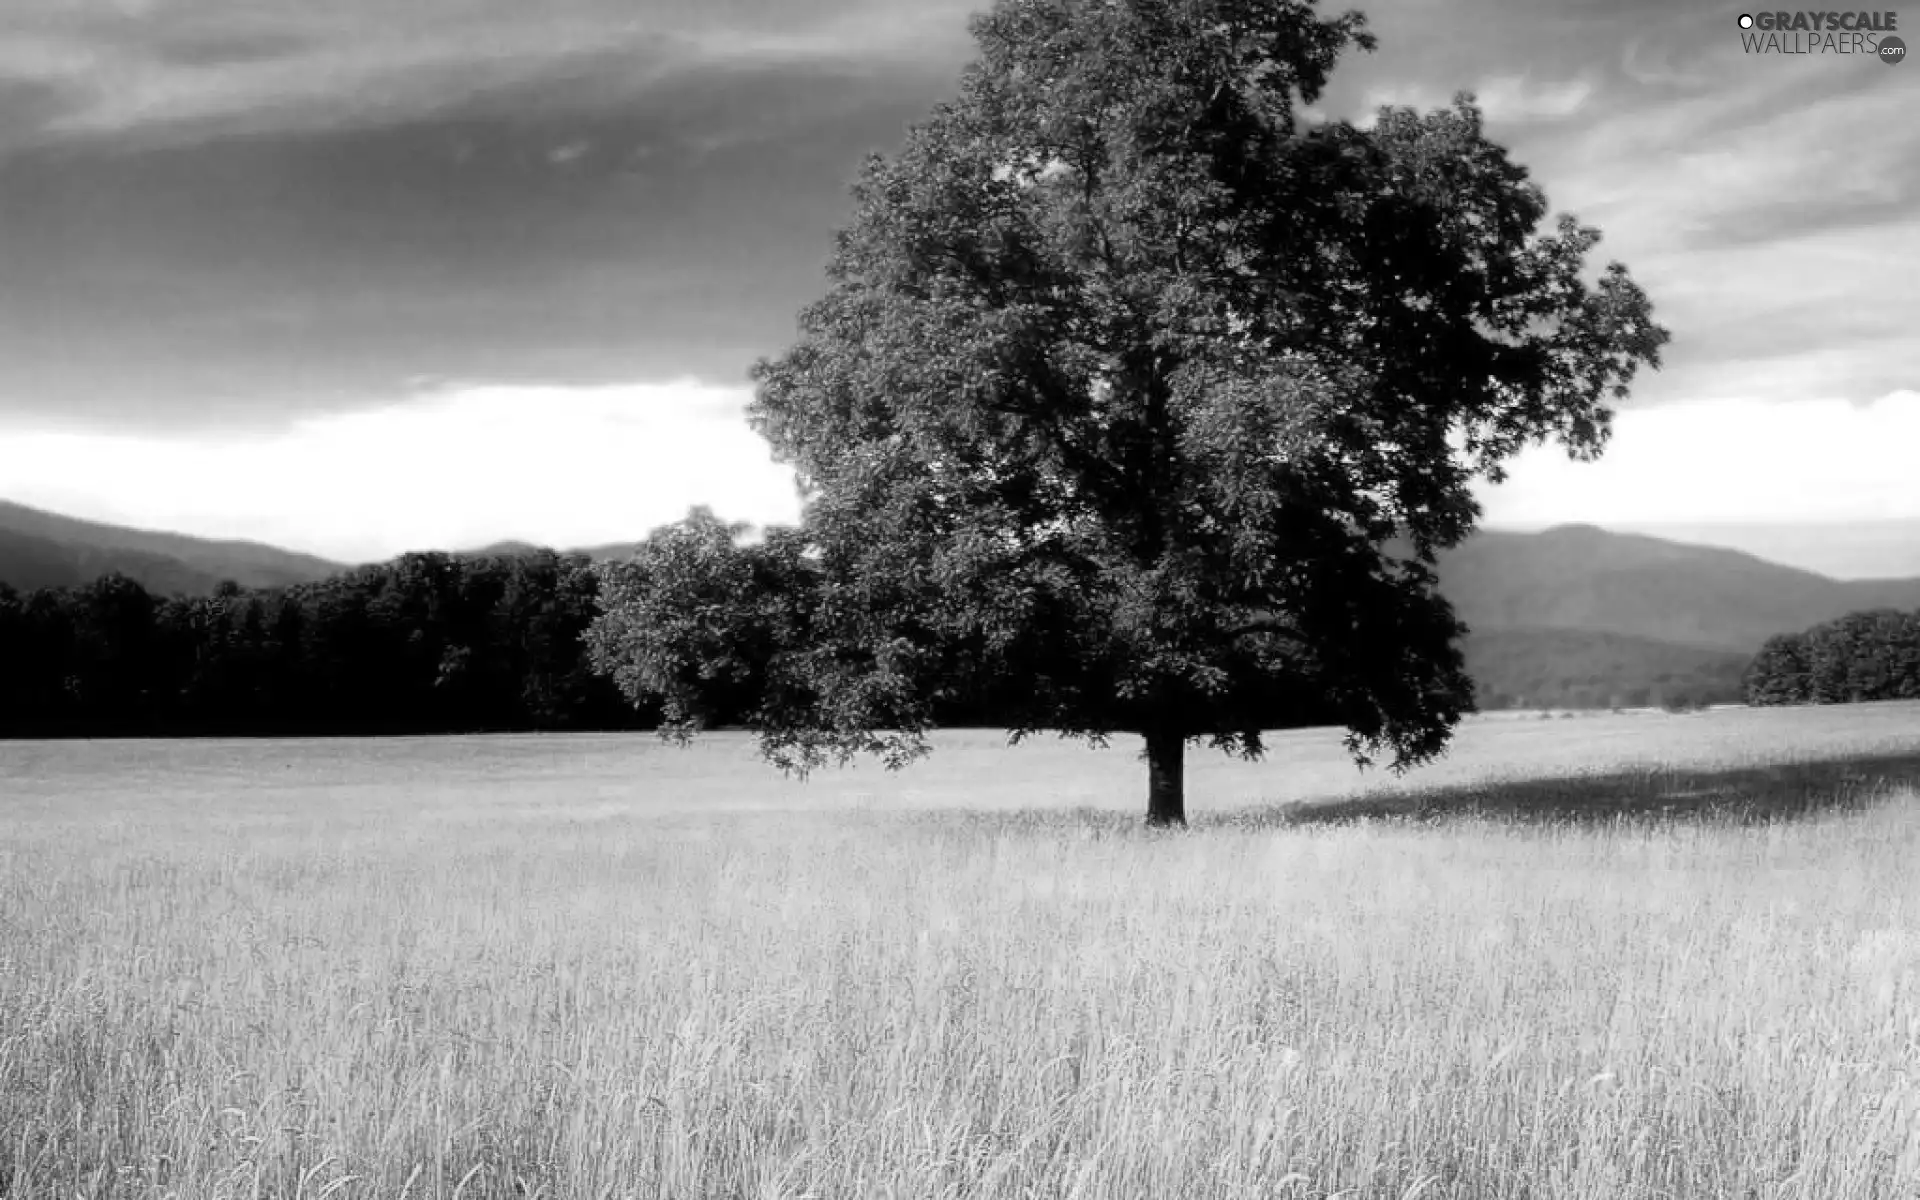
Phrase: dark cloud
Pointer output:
(535, 234)
(29, 105)
(216, 212)
(1766, 222)
(227, 47)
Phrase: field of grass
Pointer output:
(1618, 956)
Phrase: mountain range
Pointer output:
(42, 549)
(1578, 616)
(1574, 615)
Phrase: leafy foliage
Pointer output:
(1127, 382)
(1873, 655)
(427, 643)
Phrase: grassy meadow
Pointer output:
(1638, 955)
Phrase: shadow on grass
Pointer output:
(1732, 795)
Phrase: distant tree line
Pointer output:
(1872, 655)
(428, 643)
(439, 643)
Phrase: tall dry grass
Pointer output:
(255, 996)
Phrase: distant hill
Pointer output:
(42, 549)
(1580, 578)
(28, 562)
(508, 549)
(1882, 549)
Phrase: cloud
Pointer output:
(1771, 230)
(458, 466)
(1516, 98)
(1401, 95)
(1510, 99)
(1728, 461)
(452, 467)
(194, 69)
(1749, 163)
(672, 233)
(331, 87)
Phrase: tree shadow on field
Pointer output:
(1742, 795)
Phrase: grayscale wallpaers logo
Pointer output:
(1865, 33)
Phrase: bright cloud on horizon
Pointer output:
(454, 468)
(1729, 461)
(1502, 97)
(461, 467)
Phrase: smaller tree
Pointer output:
(1871, 655)
(718, 632)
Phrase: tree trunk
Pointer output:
(1166, 778)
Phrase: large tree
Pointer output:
(1139, 403)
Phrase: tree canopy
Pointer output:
(1143, 404)
(1869, 655)
(427, 643)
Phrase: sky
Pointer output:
(362, 277)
